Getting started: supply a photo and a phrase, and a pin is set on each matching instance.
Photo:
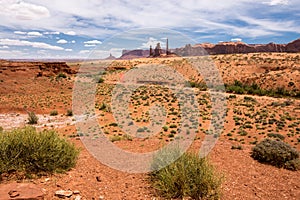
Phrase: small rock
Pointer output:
(77, 197)
(101, 197)
(47, 179)
(13, 193)
(63, 193)
(24, 191)
(98, 179)
(76, 192)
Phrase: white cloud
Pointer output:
(90, 45)
(10, 42)
(62, 41)
(20, 32)
(192, 17)
(93, 42)
(271, 25)
(84, 51)
(234, 30)
(236, 40)
(52, 33)
(119, 15)
(34, 34)
(276, 2)
(69, 50)
(152, 42)
(72, 33)
(22, 10)
(4, 47)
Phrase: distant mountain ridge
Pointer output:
(221, 48)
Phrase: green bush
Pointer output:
(61, 75)
(239, 147)
(276, 135)
(53, 113)
(240, 88)
(32, 152)
(189, 176)
(276, 153)
(100, 80)
(32, 118)
(292, 165)
(69, 113)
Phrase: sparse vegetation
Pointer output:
(53, 113)
(238, 147)
(32, 118)
(100, 80)
(69, 113)
(239, 88)
(61, 75)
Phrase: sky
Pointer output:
(57, 29)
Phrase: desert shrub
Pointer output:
(1, 129)
(189, 176)
(239, 88)
(61, 75)
(276, 153)
(115, 138)
(113, 124)
(53, 113)
(69, 113)
(292, 165)
(173, 126)
(32, 118)
(251, 99)
(276, 135)
(29, 151)
(165, 128)
(100, 80)
(238, 147)
(200, 86)
(103, 106)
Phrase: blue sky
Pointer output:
(72, 29)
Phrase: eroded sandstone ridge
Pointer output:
(40, 68)
(220, 48)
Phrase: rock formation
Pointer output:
(157, 50)
(110, 57)
(40, 68)
(220, 48)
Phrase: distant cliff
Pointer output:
(39, 68)
(237, 47)
(221, 48)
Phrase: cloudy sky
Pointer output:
(72, 29)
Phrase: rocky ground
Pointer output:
(249, 119)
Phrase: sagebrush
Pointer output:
(277, 153)
(189, 176)
(27, 150)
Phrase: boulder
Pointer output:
(21, 191)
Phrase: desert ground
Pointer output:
(248, 120)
